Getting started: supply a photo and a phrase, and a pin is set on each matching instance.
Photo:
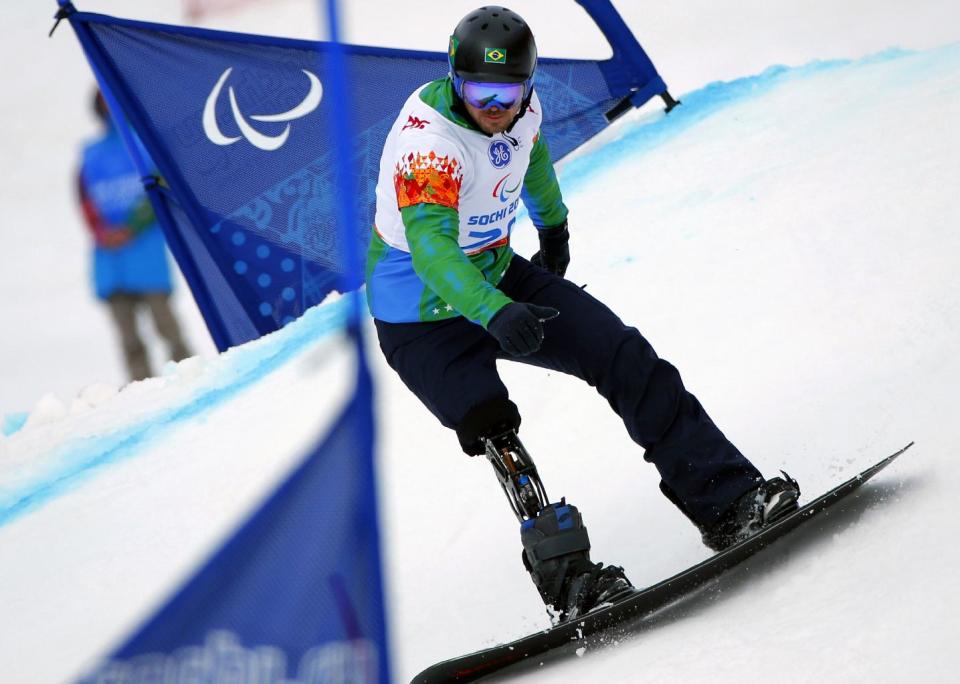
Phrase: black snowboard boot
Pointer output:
(556, 553)
(761, 506)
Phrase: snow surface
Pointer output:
(787, 238)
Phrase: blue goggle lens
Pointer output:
(486, 95)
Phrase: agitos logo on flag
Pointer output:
(495, 55)
(268, 143)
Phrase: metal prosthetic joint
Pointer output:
(517, 475)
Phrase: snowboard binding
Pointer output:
(556, 546)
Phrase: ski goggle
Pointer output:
(487, 95)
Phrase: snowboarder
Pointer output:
(130, 269)
(450, 297)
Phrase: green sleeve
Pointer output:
(432, 231)
(541, 191)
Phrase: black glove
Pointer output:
(518, 327)
(554, 254)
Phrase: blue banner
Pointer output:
(239, 127)
(295, 596)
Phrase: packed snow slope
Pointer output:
(788, 239)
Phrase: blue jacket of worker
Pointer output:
(130, 253)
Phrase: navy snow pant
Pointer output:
(451, 366)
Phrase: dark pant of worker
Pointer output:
(451, 366)
(124, 307)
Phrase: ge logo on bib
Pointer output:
(253, 136)
(499, 153)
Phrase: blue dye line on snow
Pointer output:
(82, 458)
(699, 105)
(12, 422)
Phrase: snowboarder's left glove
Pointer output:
(518, 327)
(554, 254)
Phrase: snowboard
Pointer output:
(642, 602)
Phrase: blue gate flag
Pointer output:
(240, 131)
(295, 596)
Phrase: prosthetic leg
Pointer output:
(556, 546)
(517, 474)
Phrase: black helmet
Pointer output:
(492, 45)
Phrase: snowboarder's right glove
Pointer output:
(554, 254)
(518, 327)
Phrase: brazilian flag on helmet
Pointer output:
(495, 56)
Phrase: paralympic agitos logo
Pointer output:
(256, 138)
(501, 191)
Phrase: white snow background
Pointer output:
(788, 237)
